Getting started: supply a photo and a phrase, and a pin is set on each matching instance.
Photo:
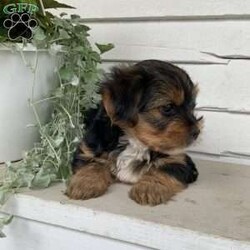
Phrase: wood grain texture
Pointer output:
(122, 9)
(215, 36)
(224, 132)
(40, 236)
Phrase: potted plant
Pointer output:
(68, 84)
(27, 73)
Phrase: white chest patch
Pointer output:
(134, 152)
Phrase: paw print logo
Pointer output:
(20, 25)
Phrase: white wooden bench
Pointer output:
(212, 214)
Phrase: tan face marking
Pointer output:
(172, 137)
(176, 96)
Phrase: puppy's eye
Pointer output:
(168, 110)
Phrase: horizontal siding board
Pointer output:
(134, 53)
(223, 88)
(221, 38)
(120, 9)
(224, 133)
(220, 158)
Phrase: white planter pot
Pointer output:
(16, 115)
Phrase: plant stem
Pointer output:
(42, 6)
(70, 120)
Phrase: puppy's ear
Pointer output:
(121, 93)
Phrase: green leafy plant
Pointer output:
(78, 77)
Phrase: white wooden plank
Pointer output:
(222, 87)
(133, 53)
(100, 9)
(41, 236)
(219, 37)
(220, 158)
(225, 134)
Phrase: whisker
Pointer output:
(200, 118)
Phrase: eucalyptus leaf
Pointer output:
(104, 47)
(41, 180)
(3, 222)
(75, 17)
(75, 80)
(66, 74)
(39, 34)
(8, 164)
(22, 180)
(95, 56)
(58, 141)
(3, 196)
(51, 4)
(82, 28)
(63, 14)
(7, 219)
(2, 235)
(63, 34)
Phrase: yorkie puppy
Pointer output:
(138, 135)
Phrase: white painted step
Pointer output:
(212, 214)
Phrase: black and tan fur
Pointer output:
(138, 135)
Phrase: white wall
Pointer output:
(209, 39)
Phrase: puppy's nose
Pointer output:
(195, 133)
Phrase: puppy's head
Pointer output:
(154, 102)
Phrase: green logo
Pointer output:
(20, 8)
(20, 22)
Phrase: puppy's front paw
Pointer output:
(149, 193)
(89, 182)
(155, 189)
